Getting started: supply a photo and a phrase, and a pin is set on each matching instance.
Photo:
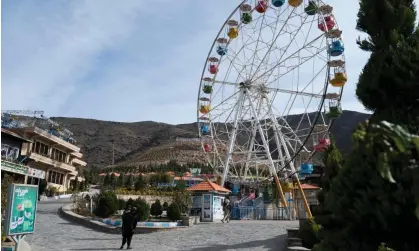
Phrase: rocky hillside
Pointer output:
(152, 142)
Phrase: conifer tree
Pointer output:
(129, 182)
(363, 209)
(120, 181)
(332, 161)
(388, 84)
(140, 183)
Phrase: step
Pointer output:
(295, 242)
(298, 249)
(292, 232)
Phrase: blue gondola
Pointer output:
(221, 50)
(205, 129)
(278, 3)
(337, 48)
(306, 169)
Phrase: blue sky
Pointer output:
(128, 60)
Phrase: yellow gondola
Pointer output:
(233, 30)
(287, 187)
(295, 3)
(339, 79)
(205, 109)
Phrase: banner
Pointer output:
(21, 209)
(40, 174)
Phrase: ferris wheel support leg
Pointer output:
(233, 134)
(271, 163)
(287, 153)
(252, 140)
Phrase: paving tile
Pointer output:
(54, 233)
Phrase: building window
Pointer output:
(58, 155)
(32, 181)
(9, 153)
(55, 177)
(40, 148)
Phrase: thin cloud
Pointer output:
(125, 61)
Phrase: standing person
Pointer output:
(134, 213)
(127, 227)
(226, 209)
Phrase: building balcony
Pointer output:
(78, 162)
(77, 154)
(54, 139)
(51, 162)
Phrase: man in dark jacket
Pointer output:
(128, 220)
(134, 213)
(226, 209)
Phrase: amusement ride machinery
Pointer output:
(29, 118)
(270, 61)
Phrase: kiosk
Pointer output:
(207, 200)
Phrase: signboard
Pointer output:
(40, 174)
(21, 209)
(195, 171)
(13, 167)
(217, 208)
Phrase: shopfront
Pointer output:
(34, 175)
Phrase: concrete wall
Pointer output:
(149, 198)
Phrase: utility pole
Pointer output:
(113, 162)
(113, 153)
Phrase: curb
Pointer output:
(66, 213)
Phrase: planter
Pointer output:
(190, 220)
(8, 246)
(8, 249)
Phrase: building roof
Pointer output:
(308, 187)
(114, 173)
(208, 186)
(13, 134)
(187, 178)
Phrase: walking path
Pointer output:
(54, 233)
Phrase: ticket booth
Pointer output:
(207, 200)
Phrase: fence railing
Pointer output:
(255, 213)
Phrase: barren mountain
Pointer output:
(152, 142)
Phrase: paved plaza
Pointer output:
(54, 233)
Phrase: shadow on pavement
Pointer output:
(273, 244)
(68, 223)
(117, 239)
(94, 249)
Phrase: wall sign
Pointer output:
(13, 167)
(33, 172)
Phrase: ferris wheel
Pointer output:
(270, 89)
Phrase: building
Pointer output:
(12, 162)
(48, 150)
(310, 192)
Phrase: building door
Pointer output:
(207, 207)
(32, 181)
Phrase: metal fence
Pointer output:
(251, 213)
(255, 213)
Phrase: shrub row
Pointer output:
(108, 204)
(158, 192)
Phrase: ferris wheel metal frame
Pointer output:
(322, 10)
